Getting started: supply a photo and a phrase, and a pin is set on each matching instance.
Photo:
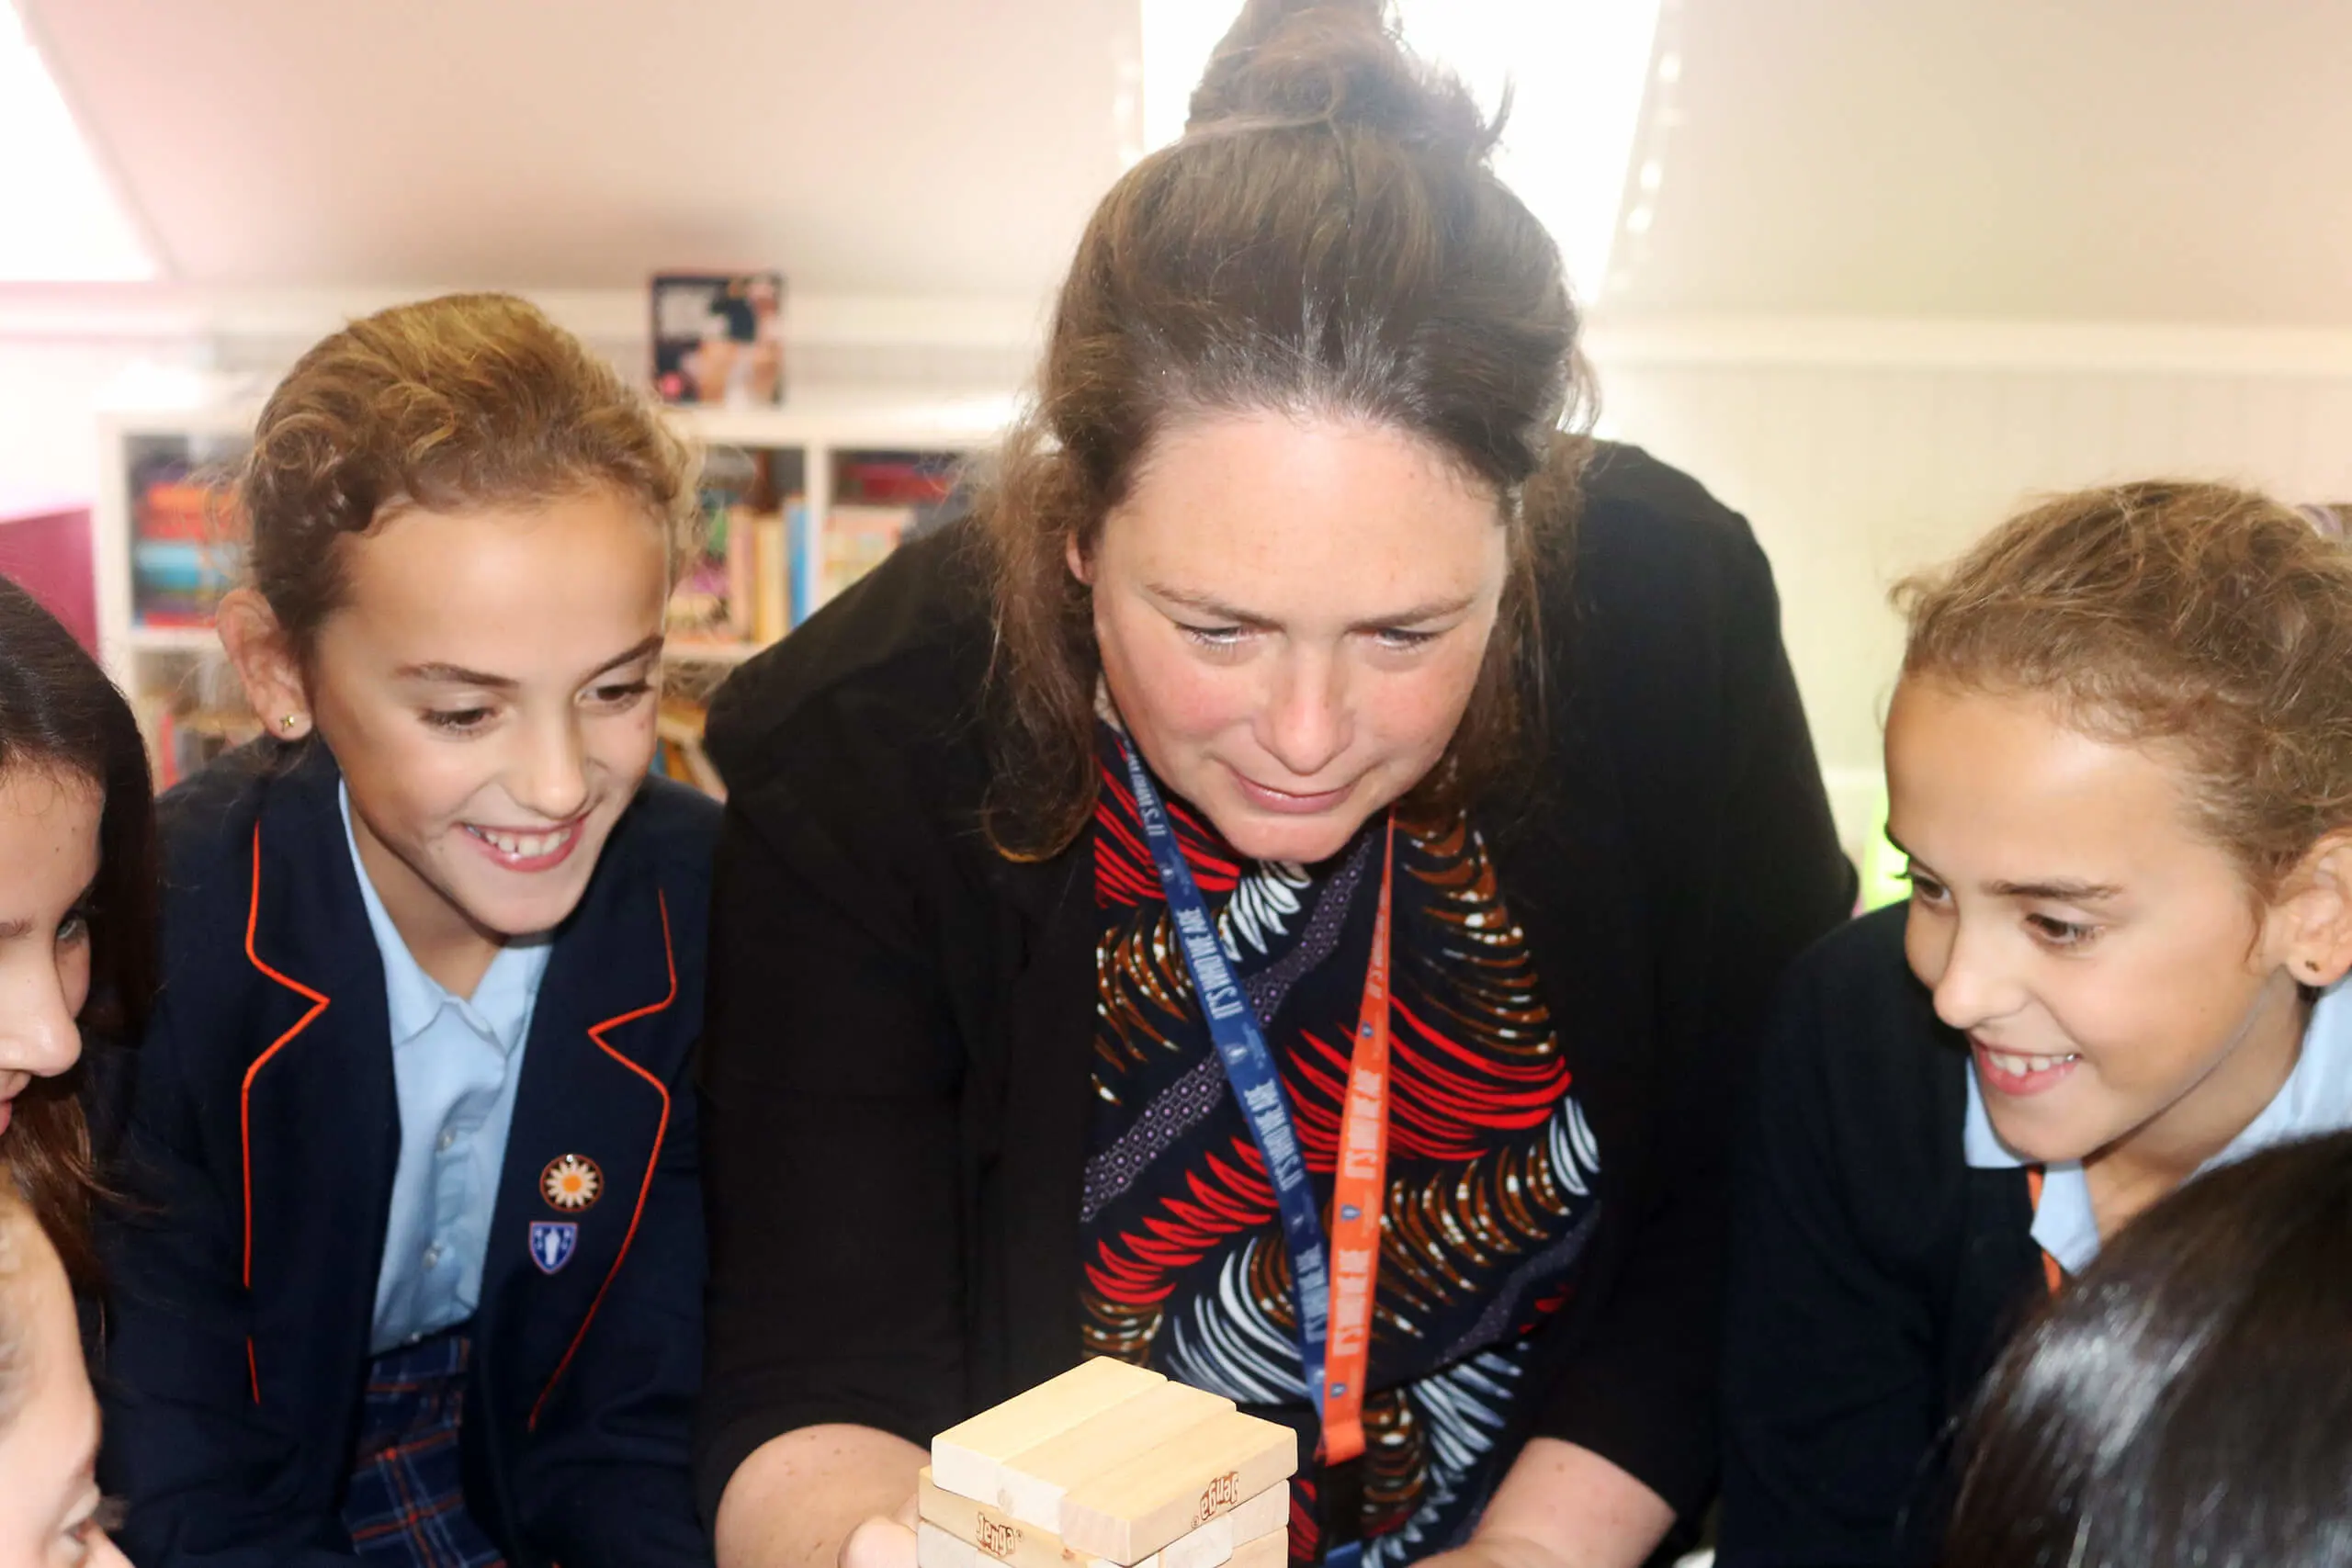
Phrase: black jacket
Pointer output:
(901, 1021)
(1875, 1273)
(265, 1128)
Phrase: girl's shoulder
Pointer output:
(670, 820)
(205, 822)
(1856, 1062)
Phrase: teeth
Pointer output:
(2025, 1066)
(523, 846)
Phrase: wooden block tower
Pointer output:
(1109, 1466)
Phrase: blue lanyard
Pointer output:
(1249, 1068)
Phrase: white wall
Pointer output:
(67, 350)
(51, 389)
(1859, 450)
(1875, 462)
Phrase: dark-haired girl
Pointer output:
(2186, 1403)
(1293, 614)
(77, 902)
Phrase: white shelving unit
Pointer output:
(151, 661)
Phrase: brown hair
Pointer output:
(59, 713)
(467, 400)
(2208, 620)
(1327, 240)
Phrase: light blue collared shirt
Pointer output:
(456, 1064)
(2315, 1098)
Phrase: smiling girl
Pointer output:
(2120, 760)
(419, 1271)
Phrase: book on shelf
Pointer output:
(679, 753)
(186, 547)
(880, 500)
(731, 589)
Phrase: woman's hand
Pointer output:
(880, 1542)
(835, 1496)
(1563, 1507)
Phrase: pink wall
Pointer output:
(45, 547)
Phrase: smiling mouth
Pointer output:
(535, 849)
(1284, 800)
(2020, 1071)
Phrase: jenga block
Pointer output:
(1034, 1482)
(935, 1547)
(1269, 1551)
(966, 1459)
(1130, 1511)
(1263, 1515)
(1210, 1546)
(1000, 1538)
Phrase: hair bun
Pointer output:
(1335, 62)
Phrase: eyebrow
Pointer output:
(2057, 890)
(1208, 604)
(12, 931)
(459, 675)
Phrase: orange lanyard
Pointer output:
(1357, 1192)
(2052, 1275)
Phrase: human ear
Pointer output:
(265, 663)
(1080, 566)
(2313, 919)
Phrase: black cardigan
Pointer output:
(900, 1021)
(1875, 1274)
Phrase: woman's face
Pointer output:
(49, 1505)
(49, 858)
(1291, 615)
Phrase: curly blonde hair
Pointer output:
(467, 400)
(2208, 620)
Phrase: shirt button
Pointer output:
(448, 1139)
(433, 1256)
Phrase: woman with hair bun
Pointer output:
(1296, 612)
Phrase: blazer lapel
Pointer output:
(592, 1116)
(318, 1112)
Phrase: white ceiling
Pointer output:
(2134, 160)
(866, 146)
(2115, 160)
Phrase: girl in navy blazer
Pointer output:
(414, 1270)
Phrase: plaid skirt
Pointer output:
(407, 1503)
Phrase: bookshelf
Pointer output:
(819, 488)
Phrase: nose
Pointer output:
(1305, 723)
(550, 779)
(38, 1031)
(1971, 985)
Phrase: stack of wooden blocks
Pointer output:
(1109, 1466)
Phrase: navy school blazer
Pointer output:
(264, 1130)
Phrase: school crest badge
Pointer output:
(552, 1244)
(572, 1182)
